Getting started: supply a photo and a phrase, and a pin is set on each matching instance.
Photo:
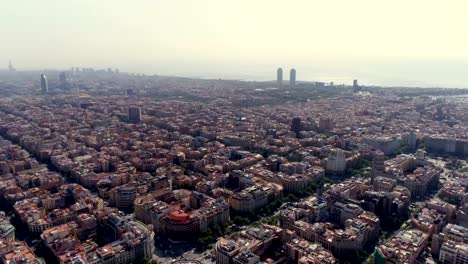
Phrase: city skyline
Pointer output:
(395, 44)
(325, 75)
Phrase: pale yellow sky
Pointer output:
(181, 34)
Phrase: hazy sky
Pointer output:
(414, 42)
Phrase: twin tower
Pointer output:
(292, 77)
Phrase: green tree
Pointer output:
(217, 230)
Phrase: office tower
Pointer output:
(410, 139)
(62, 77)
(44, 85)
(292, 77)
(279, 76)
(10, 66)
(124, 196)
(325, 123)
(356, 87)
(134, 114)
(63, 80)
(378, 164)
(336, 162)
(296, 125)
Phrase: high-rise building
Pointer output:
(325, 123)
(292, 77)
(10, 66)
(44, 85)
(410, 139)
(296, 125)
(378, 164)
(63, 80)
(62, 77)
(356, 87)
(279, 76)
(123, 197)
(134, 114)
(336, 162)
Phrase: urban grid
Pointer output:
(104, 166)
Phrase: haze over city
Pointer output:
(394, 43)
(233, 132)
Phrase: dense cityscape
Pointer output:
(104, 166)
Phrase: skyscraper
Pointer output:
(44, 85)
(336, 162)
(356, 87)
(296, 125)
(62, 77)
(292, 77)
(378, 164)
(10, 66)
(279, 76)
(134, 114)
(63, 80)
